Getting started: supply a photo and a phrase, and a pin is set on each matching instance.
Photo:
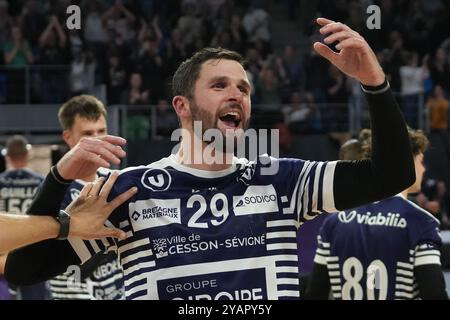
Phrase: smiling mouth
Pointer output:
(231, 119)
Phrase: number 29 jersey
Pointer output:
(231, 234)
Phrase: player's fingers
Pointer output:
(98, 144)
(353, 43)
(122, 198)
(113, 140)
(334, 28)
(325, 52)
(86, 189)
(97, 186)
(94, 158)
(340, 36)
(324, 21)
(112, 232)
(107, 186)
(103, 151)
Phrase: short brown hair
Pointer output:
(17, 147)
(417, 138)
(85, 106)
(184, 79)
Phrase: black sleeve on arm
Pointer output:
(44, 260)
(431, 282)
(391, 167)
(318, 287)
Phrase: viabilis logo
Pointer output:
(390, 220)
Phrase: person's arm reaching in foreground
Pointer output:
(391, 167)
(31, 264)
(88, 214)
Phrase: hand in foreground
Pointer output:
(91, 209)
(89, 154)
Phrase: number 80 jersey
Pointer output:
(231, 234)
(371, 252)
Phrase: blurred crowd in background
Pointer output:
(127, 50)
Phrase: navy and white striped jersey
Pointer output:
(17, 189)
(370, 252)
(105, 282)
(195, 234)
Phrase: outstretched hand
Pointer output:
(91, 209)
(89, 154)
(355, 57)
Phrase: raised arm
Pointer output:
(391, 167)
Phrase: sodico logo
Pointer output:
(256, 200)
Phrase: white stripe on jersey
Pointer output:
(285, 234)
(320, 260)
(80, 249)
(282, 281)
(132, 245)
(431, 259)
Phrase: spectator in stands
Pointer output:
(167, 120)
(135, 94)
(412, 79)
(33, 21)
(53, 52)
(5, 21)
(82, 73)
(432, 199)
(338, 94)
(256, 24)
(17, 54)
(190, 26)
(267, 88)
(119, 22)
(116, 78)
(395, 58)
(438, 107)
(138, 119)
(288, 70)
(302, 114)
(151, 67)
(440, 69)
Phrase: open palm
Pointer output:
(355, 57)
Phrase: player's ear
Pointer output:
(182, 107)
(67, 136)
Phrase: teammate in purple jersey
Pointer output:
(384, 250)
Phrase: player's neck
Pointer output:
(16, 165)
(198, 155)
(405, 193)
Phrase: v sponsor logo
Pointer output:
(346, 217)
(156, 179)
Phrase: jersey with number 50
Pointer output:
(370, 252)
(17, 189)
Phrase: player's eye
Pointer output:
(219, 85)
(243, 89)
